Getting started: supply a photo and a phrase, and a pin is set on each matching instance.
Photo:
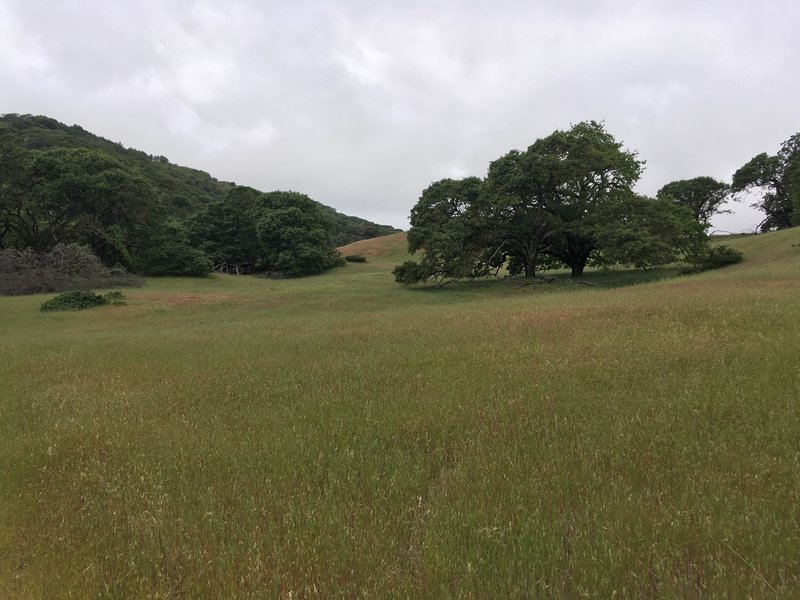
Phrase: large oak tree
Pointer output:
(564, 200)
(777, 178)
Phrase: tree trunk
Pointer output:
(578, 265)
(577, 255)
(530, 268)
(531, 255)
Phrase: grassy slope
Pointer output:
(339, 435)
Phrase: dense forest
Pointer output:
(61, 184)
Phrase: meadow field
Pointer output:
(341, 436)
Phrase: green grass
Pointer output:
(340, 436)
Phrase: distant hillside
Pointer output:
(347, 229)
(389, 249)
(181, 190)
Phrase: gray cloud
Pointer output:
(362, 104)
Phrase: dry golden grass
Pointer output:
(385, 248)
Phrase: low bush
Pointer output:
(356, 258)
(114, 297)
(412, 272)
(80, 300)
(714, 257)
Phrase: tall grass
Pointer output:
(339, 436)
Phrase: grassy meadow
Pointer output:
(340, 436)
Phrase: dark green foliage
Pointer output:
(170, 254)
(446, 226)
(702, 195)
(355, 258)
(73, 301)
(182, 190)
(582, 170)
(412, 272)
(226, 231)
(105, 184)
(87, 196)
(61, 184)
(81, 300)
(515, 200)
(778, 179)
(713, 257)
(277, 232)
(306, 259)
(642, 232)
(564, 201)
(15, 185)
(293, 234)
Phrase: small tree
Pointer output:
(702, 195)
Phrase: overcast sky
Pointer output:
(362, 103)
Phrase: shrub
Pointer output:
(114, 297)
(80, 300)
(65, 267)
(356, 258)
(714, 257)
(411, 272)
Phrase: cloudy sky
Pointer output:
(362, 103)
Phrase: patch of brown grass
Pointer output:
(182, 299)
(375, 247)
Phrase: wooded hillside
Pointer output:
(63, 184)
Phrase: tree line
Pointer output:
(568, 201)
(62, 185)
